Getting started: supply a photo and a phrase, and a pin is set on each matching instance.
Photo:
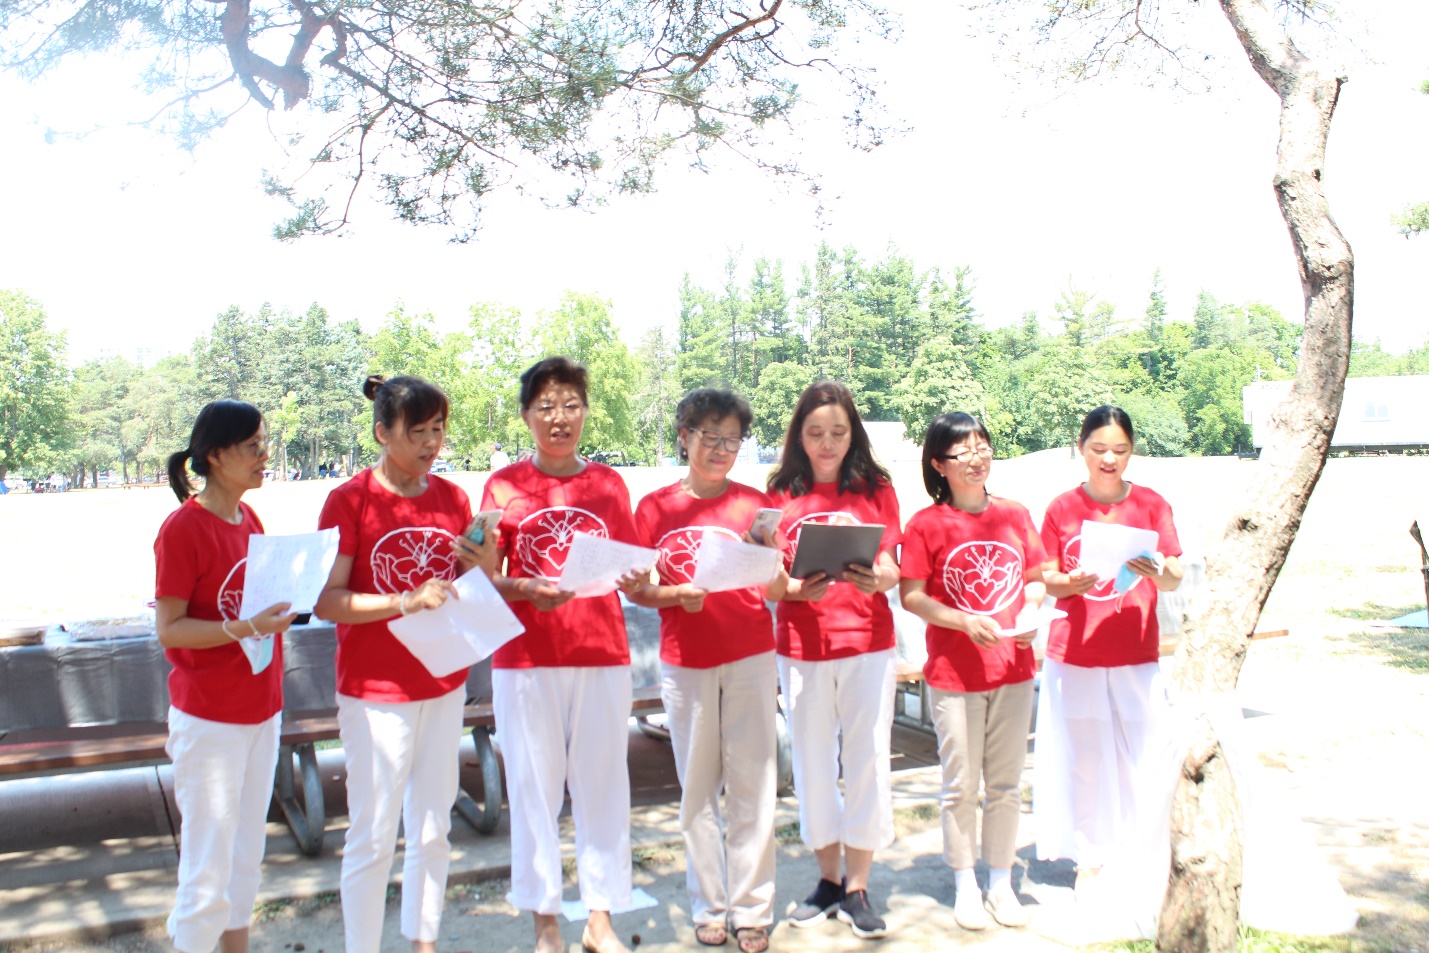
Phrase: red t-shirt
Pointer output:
(978, 563)
(732, 625)
(1103, 629)
(396, 544)
(199, 558)
(845, 622)
(540, 516)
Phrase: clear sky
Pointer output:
(129, 241)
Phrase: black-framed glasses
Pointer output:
(713, 438)
(966, 456)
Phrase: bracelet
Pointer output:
(256, 633)
(402, 604)
(224, 626)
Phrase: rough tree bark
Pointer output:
(1202, 906)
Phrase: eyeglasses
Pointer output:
(966, 456)
(713, 438)
(547, 411)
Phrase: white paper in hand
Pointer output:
(1045, 615)
(462, 631)
(290, 569)
(723, 564)
(594, 563)
(1107, 546)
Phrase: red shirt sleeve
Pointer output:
(1167, 540)
(1035, 552)
(1052, 535)
(644, 517)
(176, 562)
(338, 511)
(887, 503)
(620, 520)
(917, 562)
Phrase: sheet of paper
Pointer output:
(290, 569)
(594, 563)
(723, 564)
(462, 631)
(1107, 546)
(575, 910)
(1045, 615)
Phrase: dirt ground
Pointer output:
(1345, 737)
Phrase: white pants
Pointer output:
(842, 710)
(563, 727)
(1092, 728)
(223, 783)
(982, 743)
(402, 763)
(722, 729)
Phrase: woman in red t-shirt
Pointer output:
(400, 547)
(561, 691)
(972, 569)
(835, 654)
(1101, 682)
(718, 678)
(224, 709)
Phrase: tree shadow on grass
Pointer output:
(1401, 648)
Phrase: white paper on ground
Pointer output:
(594, 563)
(575, 910)
(1045, 615)
(723, 564)
(460, 632)
(290, 569)
(1106, 547)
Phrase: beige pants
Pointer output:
(982, 741)
(722, 726)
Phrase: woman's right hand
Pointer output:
(813, 588)
(1080, 582)
(429, 595)
(691, 598)
(543, 594)
(982, 630)
(271, 621)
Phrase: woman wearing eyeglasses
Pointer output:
(1102, 686)
(972, 569)
(561, 691)
(718, 679)
(835, 654)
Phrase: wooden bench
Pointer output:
(71, 750)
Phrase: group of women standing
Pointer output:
(973, 567)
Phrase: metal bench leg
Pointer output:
(651, 730)
(784, 755)
(485, 817)
(307, 820)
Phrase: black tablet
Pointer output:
(828, 548)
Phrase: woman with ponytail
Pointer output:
(225, 709)
(401, 547)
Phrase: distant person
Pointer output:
(561, 691)
(466, 464)
(718, 678)
(400, 547)
(1102, 687)
(836, 655)
(972, 569)
(224, 710)
(499, 458)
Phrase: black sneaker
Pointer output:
(855, 911)
(815, 909)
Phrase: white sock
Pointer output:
(965, 885)
(999, 878)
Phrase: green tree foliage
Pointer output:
(436, 104)
(34, 387)
(772, 401)
(659, 393)
(582, 329)
(98, 415)
(938, 382)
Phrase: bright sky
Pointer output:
(128, 241)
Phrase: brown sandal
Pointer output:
(752, 939)
(711, 934)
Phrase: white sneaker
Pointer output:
(969, 912)
(1005, 907)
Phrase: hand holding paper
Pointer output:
(1107, 547)
(724, 564)
(1029, 621)
(461, 631)
(594, 564)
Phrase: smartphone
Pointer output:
(481, 523)
(766, 522)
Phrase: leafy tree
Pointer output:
(99, 391)
(435, 104)
(698, 336)
(659, 393)
(1371, 360)
(938, 382)
(159, 410)
(1155, 327)
(1060, 391)
(501, 349)
(34, 386)
(1160, 426)
(773, 400)
(582, 329)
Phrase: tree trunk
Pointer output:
(1202, 906)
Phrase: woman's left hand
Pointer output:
(1143, 566)
(633, 581)
(469, 555)
(864, 578)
